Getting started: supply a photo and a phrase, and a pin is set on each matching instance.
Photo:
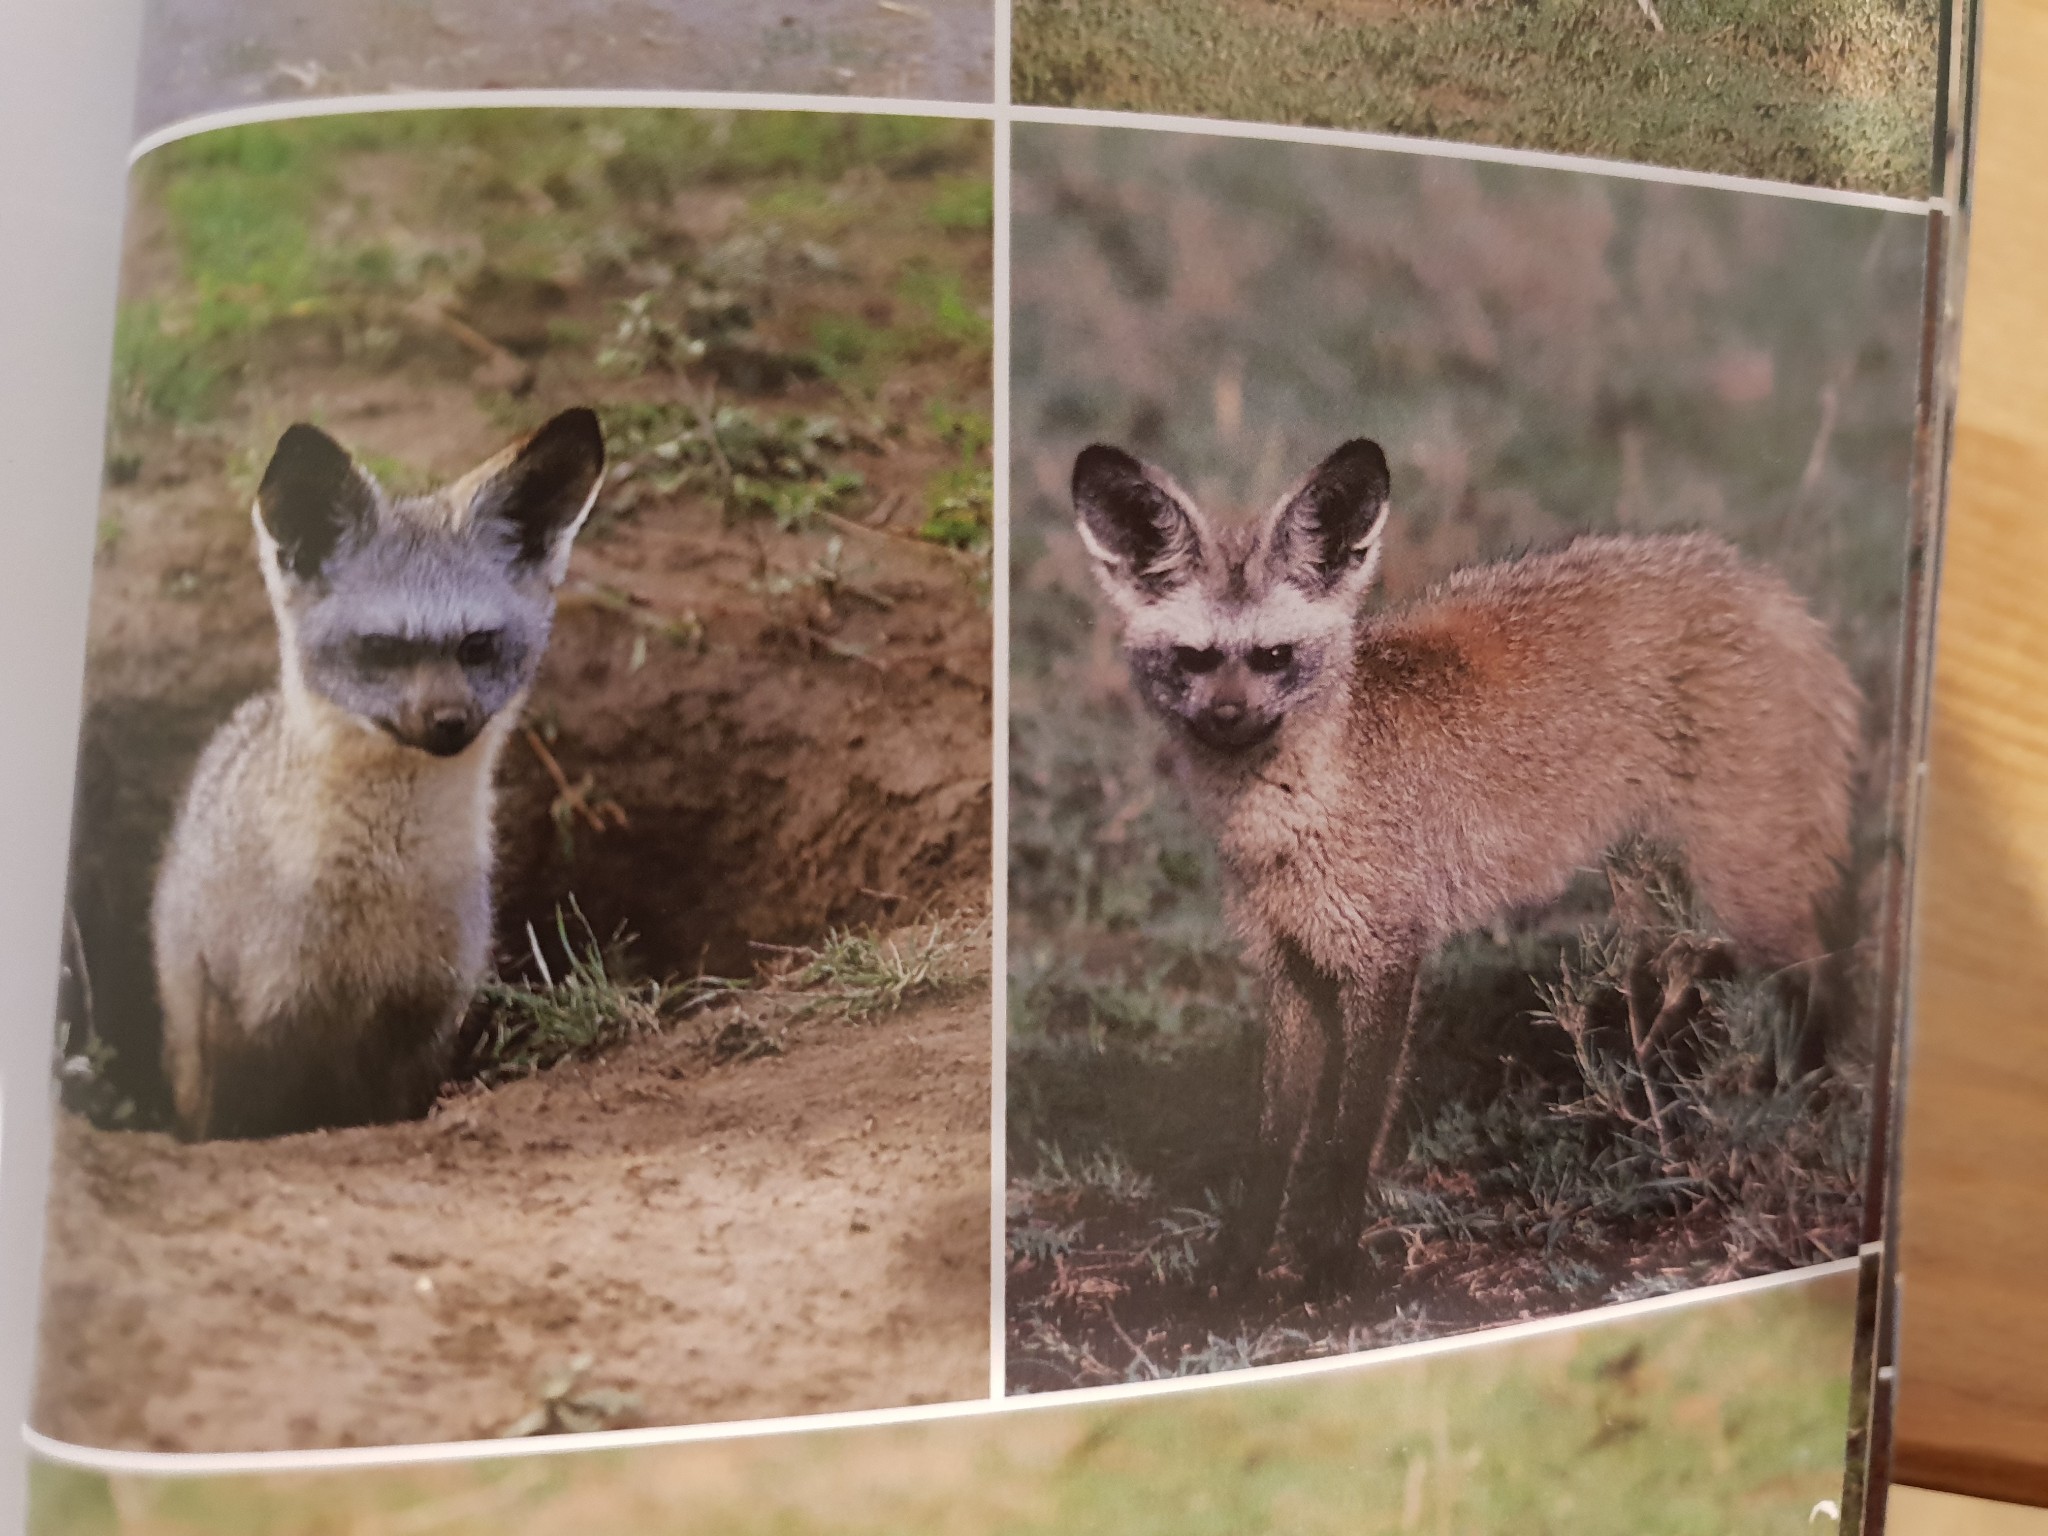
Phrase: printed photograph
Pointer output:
(527, 947)
(1829, 93)
(1456, 645)
(1725, 1416)
(203, 56)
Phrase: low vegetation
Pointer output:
(1617, 1148)
(517, 245)
(579, 996)
(1836, 93)
(863, 975)
(573, 1007)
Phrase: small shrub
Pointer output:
(1689, 1104)
(1105, 1171)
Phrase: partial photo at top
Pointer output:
(203, 56)
(1826, 93)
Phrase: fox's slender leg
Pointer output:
(1303, 1030)
(1386, 1142)
(1377, 1049)
(200, 1115)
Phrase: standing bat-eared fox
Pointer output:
(323, 912)
(1379, 782)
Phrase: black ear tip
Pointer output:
(307, 464)
(1363, 452)
(311, 493)
(576, 434)
(1362, 466)
(301, 435)
(305, 449)
(1099, 462)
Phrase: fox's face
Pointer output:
(1228, 630)
(422, 617)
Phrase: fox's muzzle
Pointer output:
(443, 732)
(1229, 726)
(439, 714)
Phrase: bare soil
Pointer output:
(211, 55)
(789, 732)
(776, 1236)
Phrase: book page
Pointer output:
(895, 752)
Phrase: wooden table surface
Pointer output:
(1973, 1366)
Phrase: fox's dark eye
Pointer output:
(1270, 658)
(1198, 659)
(478, 648)
(383, 653)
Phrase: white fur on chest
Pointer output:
(381, 857)
(1291, 840)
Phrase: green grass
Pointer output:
(947, 319)
(577, 1004)
(1828, 92)
(960, 508)
(1727, 1416)
(963, 205)
(581, 998)
(938, 320)
(274, 224)
(866, 975)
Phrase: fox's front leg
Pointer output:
(1302, 1050)
(1335, 1177)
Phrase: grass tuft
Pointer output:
(566, 1407)
(579, 1006)
(867, 976)
(1105, 1171)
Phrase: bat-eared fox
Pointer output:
(1380, 781)
(323, 912)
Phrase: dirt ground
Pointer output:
(210, 55)
(776, 1236)
(743, 737)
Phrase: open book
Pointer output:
(861, 766)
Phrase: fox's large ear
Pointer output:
(312, 495)
(543, 489)
(1144, 534)
(1326, 531)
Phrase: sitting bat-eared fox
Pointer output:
(1378, 782)
(323, 913)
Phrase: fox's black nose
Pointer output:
(1231, 727)
(448, 732)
